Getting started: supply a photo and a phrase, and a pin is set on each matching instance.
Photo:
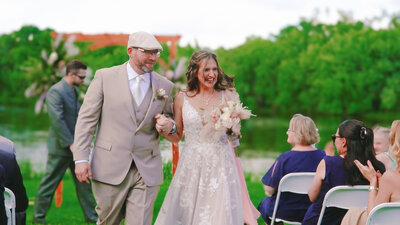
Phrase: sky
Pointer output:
(208, 23)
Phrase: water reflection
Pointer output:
(28, 132)
(263, 138)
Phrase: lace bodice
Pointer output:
(192, 122)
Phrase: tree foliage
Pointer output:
(17, 49)
(345, 69)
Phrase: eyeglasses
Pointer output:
(334, 136)
(149, 52)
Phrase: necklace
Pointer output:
(206, 101)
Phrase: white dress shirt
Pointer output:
(144, 83)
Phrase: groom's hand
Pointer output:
(83, 172)
(163, 125)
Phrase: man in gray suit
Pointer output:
(123, 102)
(63, 107)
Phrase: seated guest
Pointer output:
(381, 146)
(303, 157)
(353, 141)
(6, 145)
(388, 187)
(13, 181)
(3, 216)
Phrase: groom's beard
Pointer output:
(148, 66)
(146, 69)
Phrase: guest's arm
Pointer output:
(269, 191)
(315, 188)
(383, 194)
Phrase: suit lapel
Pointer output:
(126, 95)
(154, 87)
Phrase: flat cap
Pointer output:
(143, 40)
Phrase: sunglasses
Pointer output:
(80, 77)
(334, 136)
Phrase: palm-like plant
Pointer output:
(48, 69)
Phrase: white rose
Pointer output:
(227, 122)
(161, 91)
(225, 115)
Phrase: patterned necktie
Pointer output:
(137, 94)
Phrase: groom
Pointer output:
(122, 102)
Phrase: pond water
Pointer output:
(263, 138)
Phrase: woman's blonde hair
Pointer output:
(394, 140)
(305, 129)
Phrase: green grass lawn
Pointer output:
(70, 212)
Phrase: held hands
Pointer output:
(83, 172)
(163, 125)
(369, 172)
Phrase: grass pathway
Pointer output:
(70, 212)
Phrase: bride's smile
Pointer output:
(207, 74)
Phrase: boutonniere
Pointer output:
(160, 94)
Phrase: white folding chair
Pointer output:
(293, 182)
(385, 214)
(344, 197)
(9, 202)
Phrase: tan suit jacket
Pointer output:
(108, 105)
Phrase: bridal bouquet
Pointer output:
(225, 119)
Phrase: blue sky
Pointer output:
(210, 23)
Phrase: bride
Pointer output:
(205, 189)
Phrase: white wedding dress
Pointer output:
(205, 189)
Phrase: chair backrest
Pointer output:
(385, 214)
(9, 202)
(344, 197)
(293, 182)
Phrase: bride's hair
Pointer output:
(223, 81)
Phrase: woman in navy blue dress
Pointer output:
(303, 157)
(353, 140)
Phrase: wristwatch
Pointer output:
(173, 131)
